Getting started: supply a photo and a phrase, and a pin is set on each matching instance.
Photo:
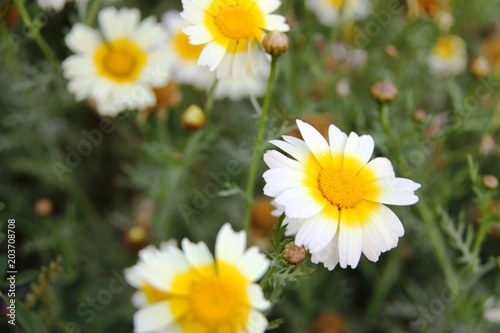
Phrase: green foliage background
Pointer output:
(438, 279)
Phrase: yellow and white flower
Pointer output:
(329, 12)
(448, 57)
(190, 291)
(231, 32)
(333, 196)
(118, 66)
(185, 68)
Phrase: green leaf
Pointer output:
(29, 321)
(275, 324)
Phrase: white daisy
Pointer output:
(185, 68)
(190, 291)
(119, 65)
(334, 197)
(56, 5)
(237, 89)
(329, 11)
(231, 32)
(448, 57)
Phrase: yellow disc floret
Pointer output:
(342, 188)
(121, 60)
(446, 47)
(186, 50)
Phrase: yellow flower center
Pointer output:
(236, 22)
(154, 295)
(211, 299)
(337, 3)
(342, 188)
(121, 60)
(445, 47)
(186, 50)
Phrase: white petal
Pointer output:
(395, 191)
(350, 239)
(275, 159)
(276, 22)
(118, 23)
(279, 180)
(381, 167)
(268, 6)
(257, 323)
(230, 245)
(358, 149)
(197, 254)
(139, 300)
(316, 143)
(299, 153)
(329, 256)
(152, 318)
(317, 232)
(338, 140)
(292, 225)
(198, 34)
(256, 296)
(175, 258)
(83, 39)
(253, 264)
(211, 55)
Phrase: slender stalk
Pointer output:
(384, 120)
(209, 102)
(481, 234)
(92, 13)
(35, 33)
(258, 143)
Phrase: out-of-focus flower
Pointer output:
(167, 97)
(190, 291)
(334, 197)
(391, 51)
(448, 57)
(330, 12)
(118, 66)
(487, 145)
(193, 118)
(491, 50)
(185, 68)
(330, 322)
(490, 181)
(420, 115)
(231, 32)
(237, 89)
(55, 5)
(261, 223)
(384, 91)
(343, 88)
(480, 66)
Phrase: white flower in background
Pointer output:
(330, 12)
(448, 57)
(231, 32)
(118, 66)
(333, 196)
(237, 89)
(55, 5)
(190, 291)
(185, 68)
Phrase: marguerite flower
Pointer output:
(231, 31)
(119, 65)
(329, 11)
(237, 89)
(334, 197)
(448, 56)
(185, 69)
(190, 291)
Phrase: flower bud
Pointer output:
(331, 322)
(487, 145)
(490, 182)
(419, 115)
(480, 67)
(193, 118)
(391, 51)
(136, 237)
(43, 207)
(275, 43)
(294, 254)
(384, 91)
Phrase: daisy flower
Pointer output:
(448, 57)
(185, 68)
(56, 5)
(237, 89)
(333, 195)
(231, 32)
(329, 11)
(190, 291)
(118, 66)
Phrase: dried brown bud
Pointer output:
(275, 43)
(420, 115)
(480, 67)
(43, 207)
(193, 118)
(384, 91)
(294, 254)
(490, 181)
(391, 51)
(330, 323)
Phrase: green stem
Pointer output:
(481, 234)
(258, 143)
(384, 120)
(35, 33)
(92, 13)
(209, 102)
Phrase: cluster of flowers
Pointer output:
(332, 195)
